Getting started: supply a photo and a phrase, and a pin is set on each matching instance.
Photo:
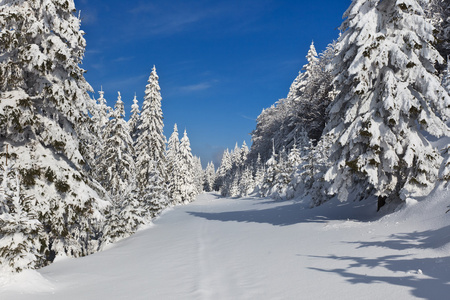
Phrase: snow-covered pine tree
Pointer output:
(150, 143)
(283, 173)
(22, 236)
(210, 177)
(298, 86)
(269, 176)
(303, 110)
(247, 182)
(155, 193)
(438, 11)
(259, 173)
(199, 175)
(444, 172)
(389, 95)
(104, 111)
(446, 77)
(44, 117)
(187, 185)
(133, 122)
(244, 153)
(116, 168)
(225, 167)
(173, 171)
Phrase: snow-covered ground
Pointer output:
(216, 248)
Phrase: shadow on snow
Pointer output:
(287, 213)
(432, 282)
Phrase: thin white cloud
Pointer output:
(195, 87)
(248, 118)
(167, 18)
(123, 58)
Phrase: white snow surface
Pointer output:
(251, 248)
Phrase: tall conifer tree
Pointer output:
(389, 96)
(150, 143)
(44, 114)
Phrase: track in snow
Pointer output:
(220, 248)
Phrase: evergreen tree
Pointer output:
(173, 171)
(298, 86)
(303, 110)
(224, 169)
(247, 183)
(22, 236)
(269, 176)
(155, 193)
(259, 174)
(150, 143)
(104, 111)
(44, 113)
(199, 175)
(133, 123)
(389, 94)
(444, 173)
(187, 185)
(210, 177)
(115, 164)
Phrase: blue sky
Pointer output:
(219, 62)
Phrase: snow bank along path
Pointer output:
(251, 248)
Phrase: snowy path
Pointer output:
(252, 248)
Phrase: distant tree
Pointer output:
(173, 171)
(210, 177)
(303, 110)
(188, 189)
(133, 122)
(299, 85)
(247, 182)
(259, 173)
(199, 175)
(269, 176)
(225, 167)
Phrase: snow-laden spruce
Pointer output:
(298, 86)
(44, 119)
(115, 166)
(187, 189)
(150, 143)
(210, 177)
(389, 97)
(303, 110)
(133, 122)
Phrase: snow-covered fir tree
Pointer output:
(22, 236)
(259, 174)
(224, 168)
(269, 176)
(246, 182)
(133, 122)
(303, 110)
(389, 95)
(173, 171)
(104, 111)
(154, 194)
(298, 86)
(150, 143)
(210, 177)
(45, 120)
(199, 176)
(116, 168)
(187, 187)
